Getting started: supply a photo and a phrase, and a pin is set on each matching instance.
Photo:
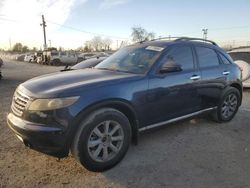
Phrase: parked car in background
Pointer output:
(101, 54)
(96, 113)
(20, 57)
(39, 57)
(58, 58)
(84, 56)
(89, 63)
(29, 58)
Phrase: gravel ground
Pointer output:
(194, 153)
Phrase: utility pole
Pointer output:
(43, 24)
(10, 43)
(204, 33)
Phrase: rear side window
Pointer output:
(224, 59)
(181, 55)
(207, 57)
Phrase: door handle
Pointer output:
(226, 73)
(195, 77)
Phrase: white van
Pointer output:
(62, 57)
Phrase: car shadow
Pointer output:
(159, 157)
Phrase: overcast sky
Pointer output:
(71, 22)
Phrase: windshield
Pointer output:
(136, 60)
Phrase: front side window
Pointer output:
(207, 57)
(136, 60)
(182, 56)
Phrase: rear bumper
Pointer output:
(43, 138)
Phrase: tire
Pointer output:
(95, 149)
(230, 102)
(56, 62)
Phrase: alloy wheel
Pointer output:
(105, 141)
(229, 105)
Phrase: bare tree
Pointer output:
(151, 36)
(97, 43)
(140, 34)
(88, 46)
(107, 42)
(124, 43)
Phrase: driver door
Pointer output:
(174, 94)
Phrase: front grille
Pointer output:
(19, 102)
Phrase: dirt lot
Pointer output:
(194, 153)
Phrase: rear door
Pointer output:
(213, 78)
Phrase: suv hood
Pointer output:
(55, 84)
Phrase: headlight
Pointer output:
(51, 104)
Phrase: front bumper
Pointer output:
(44, 138)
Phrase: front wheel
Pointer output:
(102, 139)
(228, 105)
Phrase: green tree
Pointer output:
(17, 47)
(25, 49)
(34, 49)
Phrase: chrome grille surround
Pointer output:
(19, 103)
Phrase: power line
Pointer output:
(84, 31)
(9, 20)
(217, 29)
(230, 28)
(72, 28)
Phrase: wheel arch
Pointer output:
(239, 88)
(121, 105)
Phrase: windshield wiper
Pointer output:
(115, 70)
(67, 68)
(106, 69)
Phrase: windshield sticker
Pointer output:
(155, 48)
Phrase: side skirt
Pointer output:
(176, 119)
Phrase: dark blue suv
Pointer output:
(96, 113)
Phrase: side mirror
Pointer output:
(170, 67)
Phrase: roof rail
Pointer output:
(161, 38)
(195, 39)
(181, 39)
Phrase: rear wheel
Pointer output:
(102, 139)
(228, 105)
